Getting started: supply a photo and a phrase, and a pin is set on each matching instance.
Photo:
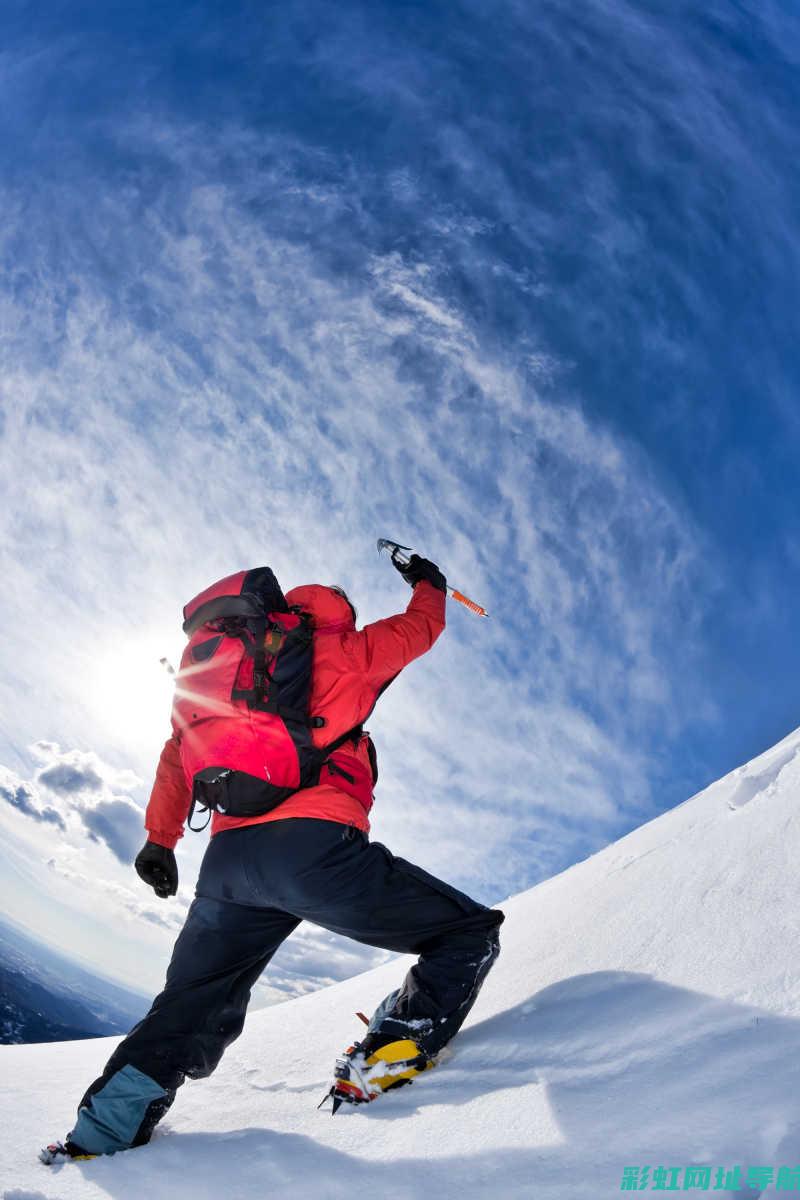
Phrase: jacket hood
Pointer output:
(328, 610)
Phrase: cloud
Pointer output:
(245, 400)
(72, 772)
(118, 823)
(312, 958)
(68, 779)
(82, 786)
(24, 797)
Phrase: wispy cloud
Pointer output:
(208, 390)
(136, 905)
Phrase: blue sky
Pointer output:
(515, 285)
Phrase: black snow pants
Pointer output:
(256, 884)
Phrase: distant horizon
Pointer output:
(69, 955)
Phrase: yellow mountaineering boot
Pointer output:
(362, 1074)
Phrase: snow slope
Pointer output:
(645, 1010)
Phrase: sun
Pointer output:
(130, 689)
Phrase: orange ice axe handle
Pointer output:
(402, 554)
(465, 600)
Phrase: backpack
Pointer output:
(240, 710)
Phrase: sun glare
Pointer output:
(131, 690)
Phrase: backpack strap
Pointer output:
(263, 640)
(258, 627)
(197, 828)
(286, 642)
(322, 755)
(353, 735)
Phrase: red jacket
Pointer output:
(350, 670)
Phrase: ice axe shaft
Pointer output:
(465, 600)
(402, 555)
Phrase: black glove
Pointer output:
(156, 865)
(417, 569)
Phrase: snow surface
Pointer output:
(645, 1009)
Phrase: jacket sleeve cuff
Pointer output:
(169, 840)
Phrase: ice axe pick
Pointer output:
(402, 555)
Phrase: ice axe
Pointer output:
(401, 555)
